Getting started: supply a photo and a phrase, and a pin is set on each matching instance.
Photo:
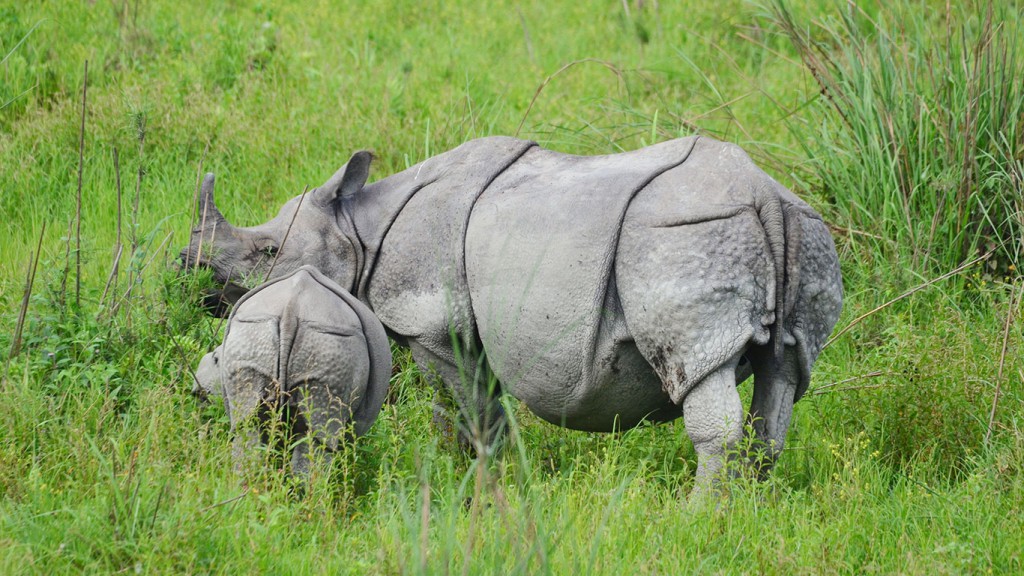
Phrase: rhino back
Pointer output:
(540, 251)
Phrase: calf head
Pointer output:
(207, 377)
(310, 229)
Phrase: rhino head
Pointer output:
(207, 376)
(310, 229)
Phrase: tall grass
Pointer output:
(921, 152)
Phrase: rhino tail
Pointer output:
(288, 330)
(784, 226)
(776, 224)
(791, 281)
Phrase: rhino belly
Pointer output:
(597, 385)
(621, 391)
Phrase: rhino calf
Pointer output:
(304, 347)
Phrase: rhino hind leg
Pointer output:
(713, 415)
(248, 413)
(481, 418)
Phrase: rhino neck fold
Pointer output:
(371, 214)
(348, 229)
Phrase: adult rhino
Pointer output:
(601, 290)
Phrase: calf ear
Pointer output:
(351, 177)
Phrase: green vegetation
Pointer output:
(902, 124)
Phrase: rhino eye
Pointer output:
(269, 250)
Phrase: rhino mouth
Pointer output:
(202, 396)
(218, 299)
(219, 302)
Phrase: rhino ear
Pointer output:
(351, 177)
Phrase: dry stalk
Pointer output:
(286, 233)
(112, 277)
(78, 204)
(831, 386)
(119, 247)
(1011, 306)
(842, 231)
(848, 389)
(62, 297)
(184, 357)
(141, 171)
(195, 202)
(225, 502)
(127, 294)
(540, 88)
(30, 278)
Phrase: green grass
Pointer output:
(108, 465)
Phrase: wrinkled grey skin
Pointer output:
(303, 343)
(600, 290)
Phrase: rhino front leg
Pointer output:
(713, 415)
(771, 407)
(481, 421)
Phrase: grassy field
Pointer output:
(901, 124)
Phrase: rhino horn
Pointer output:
(208, 212)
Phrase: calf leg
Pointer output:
(246, 413)
(713, 415)
(243, 448)
(771, 408)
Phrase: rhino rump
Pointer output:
(303, 341)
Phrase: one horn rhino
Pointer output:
(600, 291)
(303, 343)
